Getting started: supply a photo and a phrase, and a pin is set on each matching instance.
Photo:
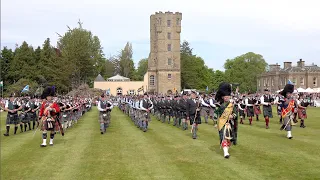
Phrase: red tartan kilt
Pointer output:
(302, 115)
(257, 110)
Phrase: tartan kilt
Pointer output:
(211, 112)
(204, 111)
(23, 118)
(257, 110)
(250, 111)
(302, 113)
(177, 114)
(241, 113)
(12, 119)
(145, 115)
(197, 119)
(32, 116)
(183, 115)
(104, 119)
(267, 111)
(49, 125)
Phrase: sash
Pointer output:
(285, 112)
(225, 116)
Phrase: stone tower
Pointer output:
(164, 74)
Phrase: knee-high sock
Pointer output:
(15, 129)
(29, 125)
(25, 127)
(8, 129)
(257, 116)
(267, 121)
(21, 127)
(51, 135)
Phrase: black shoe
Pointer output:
(43, 145)
(227, 156)
(101, 132)
(6, 134)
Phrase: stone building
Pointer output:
(164, 71)
(304, 76)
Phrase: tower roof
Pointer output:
(99, 78)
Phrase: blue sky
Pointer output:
(280, 30)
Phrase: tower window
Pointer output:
(169, 76)
(169, 61)
(314, 82)
(169, 35)
(169, 47)
(169, 23)
(151, 80)
(178, 21)
(301, 80)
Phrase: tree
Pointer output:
(6, 59)
(126, 63)
(20, 84)
(218, 78)
(244, 69)
(23, 64)
(81, 51)
(142, 69)
(185, 48)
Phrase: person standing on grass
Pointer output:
(227, 118)
(287, 109)
(267, 102)
(249, 107)
(104, 107)
(146, 106)
(193, 113)
(48, 115)
(12, 108)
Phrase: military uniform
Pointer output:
(12, 117)
(193, 113)
(266, 101)
(104, 107)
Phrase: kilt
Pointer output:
(241, 113)
(267, 111)
(12, 119)
(211, 112)
(250, 112)
(32, 116)
(177, 114)
(145, 116)
(205, 111)
(233, 133)
(49, 124)
(302, 113)
(104, 119)
(183, 115)
(23, 118)
(197, 119)
(257, 110)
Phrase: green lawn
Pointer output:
(164, 152)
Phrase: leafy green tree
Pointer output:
(23, 64)
(244, 70)
(6, 59)
(20, 84)
(80, 51)
(126, 63)
(142, 69)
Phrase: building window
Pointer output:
(169, 76)
(169, 47)
(131, 92)
(294, 81)
(272, 82)
(264, 83)
(178, 21)
(159, 21)
(314, 82)
(169, 61)
(169, 35)
(151, 80)
(169, 23)
(301, 81)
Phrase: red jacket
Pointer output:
(46, 104)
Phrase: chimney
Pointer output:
(287, 65)
(300, 63)
(274, 67)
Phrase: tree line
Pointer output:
(78, 58)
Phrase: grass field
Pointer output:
(164, 152)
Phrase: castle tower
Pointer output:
(164, 74)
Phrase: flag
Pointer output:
(140, 89)
(207, 89)
(108, 91)
(1, 84)
(25, 89)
